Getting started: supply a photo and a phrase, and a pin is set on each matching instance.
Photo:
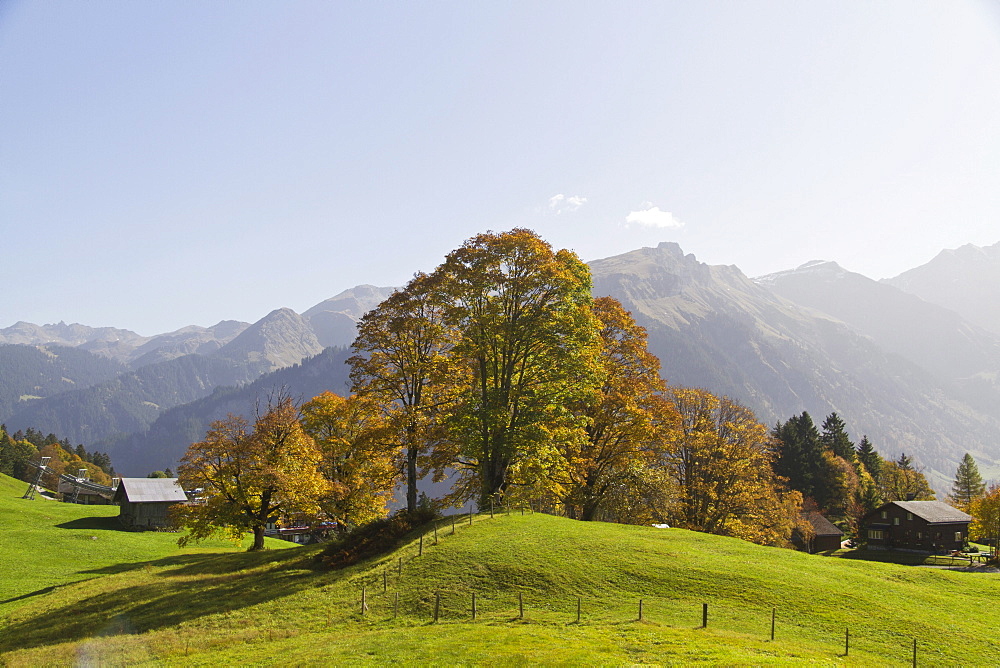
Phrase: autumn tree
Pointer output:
(356, 443)
(968, 485)
(628, 418)
(250, 475)
(900, 481)
(15, 455)
(403, 361)
(528, 339)
(721, 461)
(985, 511)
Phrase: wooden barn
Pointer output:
(924, 526)
(826, 536)
(144, 501)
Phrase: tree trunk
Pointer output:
(411, 479)
(258, 539)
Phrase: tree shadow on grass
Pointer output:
(214, 563)
(93, 524)
(194, 586)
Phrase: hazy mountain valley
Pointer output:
(912, 361)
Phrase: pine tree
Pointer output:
(835, 437)
(871, 460)
(968, 485)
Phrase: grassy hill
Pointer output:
(46, 544)
(282, 607)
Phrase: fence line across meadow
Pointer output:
(434, 607)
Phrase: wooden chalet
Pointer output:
(144, 501)
(923, 526)
(826, 536)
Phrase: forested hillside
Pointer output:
(165, 439)
(131, 401)
(29, 373)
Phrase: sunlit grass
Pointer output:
(46, 543)
(282, 607)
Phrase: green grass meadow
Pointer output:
(282, 607)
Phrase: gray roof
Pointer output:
(934, 512)
(821, 525)
(150, 490)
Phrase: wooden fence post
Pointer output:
(520, 605)
(640, 609)
(437, 605)
(847, 641)
(773, 611)
(385, 581)
(473, 605)
(704, 615)
(395, 606)
(470, 516)
(421, 552)
(578, 604)
(914, 653)
(452, 525)
(400, 565)
(435, 533)
(364, 603)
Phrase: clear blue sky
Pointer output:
(173, 163)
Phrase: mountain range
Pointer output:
(913, 362)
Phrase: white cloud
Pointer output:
(561, 203)
(651, 216)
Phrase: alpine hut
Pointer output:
(144, 501)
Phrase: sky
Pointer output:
(173, 163)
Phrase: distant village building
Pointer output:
(826, 536)
(925, 526)
(144, 501)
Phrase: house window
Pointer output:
(909, 516)
(920, 535)
(895, 520)
(885, 514)
(958, 536)
(875, 534)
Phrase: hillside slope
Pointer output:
(580, 585)
(131, 401)
(713, 327)
(164, 441)
(30, 373)
(939, 340)
(965, 280)
(47, 544)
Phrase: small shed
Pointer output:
(826, 535)
(924, 526)
(144, 501)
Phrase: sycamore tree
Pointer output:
(528, 340)
(403, 362)
(355, 440)
(628, 420)
(900, 481)
(985, 511)
(250, 475)
(721, 459)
